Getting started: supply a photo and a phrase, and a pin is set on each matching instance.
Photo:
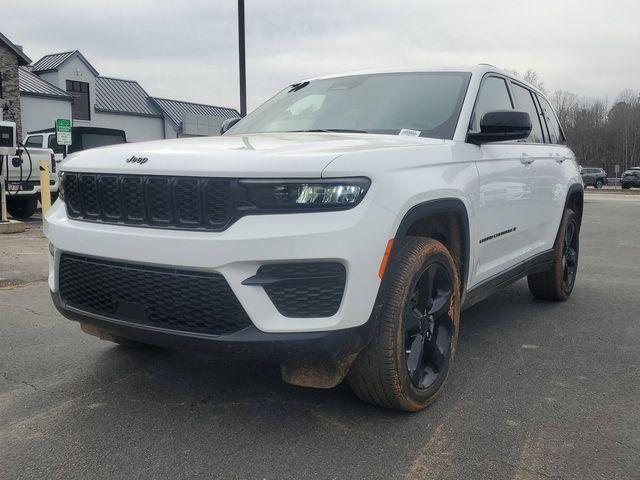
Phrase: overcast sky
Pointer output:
(187, 49)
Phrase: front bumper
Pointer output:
(249, 343)
(355, 238)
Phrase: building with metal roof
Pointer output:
(33, 85)
(66, 85)
(51, 63)
(41, 102)
(114, 95)
(189, 118)
(175, 110)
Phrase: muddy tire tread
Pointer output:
(373, 376)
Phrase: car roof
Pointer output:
(478, 70)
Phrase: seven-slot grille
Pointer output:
(150, 200)
(186, 301)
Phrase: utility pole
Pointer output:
(241, 55)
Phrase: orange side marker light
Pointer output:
(385, 258)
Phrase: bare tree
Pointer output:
(531, 77)
(600, 133)
(565, 104)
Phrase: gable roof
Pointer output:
(114, 95)
(22, 57)
(175, 109)
(52, 62)
(33, 85)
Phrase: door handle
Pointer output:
(526, 159)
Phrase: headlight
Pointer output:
(337, 194)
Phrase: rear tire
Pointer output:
(557, 283)
(22, 206)
(406, 364)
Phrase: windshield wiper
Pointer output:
(329, 130)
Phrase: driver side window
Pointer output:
(493, 95)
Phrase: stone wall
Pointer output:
(10, 87)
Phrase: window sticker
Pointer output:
(406, 132)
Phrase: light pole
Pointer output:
(241, 55)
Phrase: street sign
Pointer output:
(63, 131)
(617, 168)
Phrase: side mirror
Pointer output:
(228, 123)
(502, 125)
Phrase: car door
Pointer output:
(559, 169)
(503, 222)
(544, 170)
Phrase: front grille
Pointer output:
(305, 290)
(172, 299)
(150, 200)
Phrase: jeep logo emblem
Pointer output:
(139, 160)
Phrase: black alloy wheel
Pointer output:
(428, 329)
(558, 282)
(570, 253)
(406, 364)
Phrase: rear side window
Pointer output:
(34, 141)
(493, 96)
(53, 145)
(555, 133)
(524, 101)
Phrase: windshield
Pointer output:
(419, 104)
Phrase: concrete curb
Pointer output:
(611, 191)
(12, 226)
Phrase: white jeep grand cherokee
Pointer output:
(339, 229)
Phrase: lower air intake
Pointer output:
(186, 301)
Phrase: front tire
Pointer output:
(557, 283)
(599, 184)
(408, 360)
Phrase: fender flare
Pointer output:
(573, 189)
(432, 207)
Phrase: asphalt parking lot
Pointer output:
(538, 390)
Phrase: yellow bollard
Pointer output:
(45, 190)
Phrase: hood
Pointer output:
(253, 155)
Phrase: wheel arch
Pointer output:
(449, 220)
(575, 200)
